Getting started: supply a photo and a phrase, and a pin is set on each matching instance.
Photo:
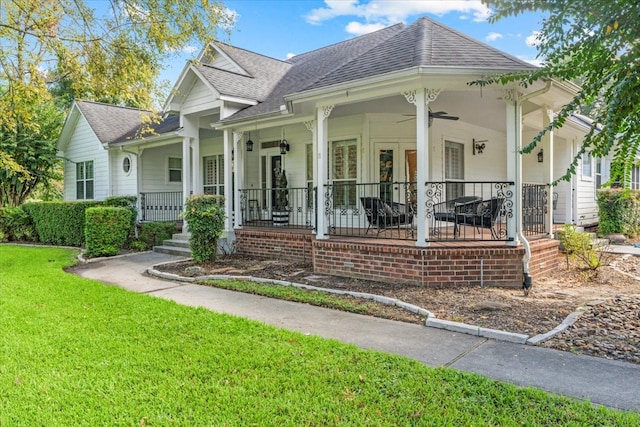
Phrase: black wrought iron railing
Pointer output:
(534, 208)
(276, 207)
(381, 210)
(161, 206)
(469, 210)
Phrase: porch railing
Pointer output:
(161, 206)
(259, 207)
(534, 208)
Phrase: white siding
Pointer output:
(155, 168)
(84, 146)
(199, 97)
(123, 184)
(586, 204)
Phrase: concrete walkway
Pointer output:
(611, 383)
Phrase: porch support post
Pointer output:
(322, 167)
(238, 170)
(514, 163)
(228, 180)
(547, 146)
(311, 127)
(421, 99)
(186, 187)
(196, 178)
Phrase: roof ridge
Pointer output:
(476, 41)
(201, 64)
(219, 43)
(351, 40)
(105, 104)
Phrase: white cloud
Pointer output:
(535, 61)
(290, 55)
(492, 36)
(533, 40)
(189, 49)
(359, 29)
(386, 12)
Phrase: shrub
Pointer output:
(581, 246)
(138, 245)
(106, 230)
(619, 212)
(59, 223)
(205, 217)
(153, 233)
(16, 225)
(129, 202)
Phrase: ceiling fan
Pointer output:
(432, 115)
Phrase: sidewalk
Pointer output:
(611, 383)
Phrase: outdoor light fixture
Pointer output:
(249, 143)
(284, 146)
(478, 146)
(540, 156)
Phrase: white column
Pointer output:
(547, 147)
(514, 163)
(228, 187)
(311, 127)
(238, 171)
(186, 167)
(421, 99)
(322, 167)
(196, 177)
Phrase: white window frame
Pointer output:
(589, 176)
(217, 186)
(453, 143)
(170, 169)
(81, 168)
(346, 142)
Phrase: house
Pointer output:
(398, 169)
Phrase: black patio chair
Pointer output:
(485, 216)
(383, 215)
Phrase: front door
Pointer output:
(397, 171)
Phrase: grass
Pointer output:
(292, 293)
(77, 352)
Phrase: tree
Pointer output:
(596, 43)
(109, 50)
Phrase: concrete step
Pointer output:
(181, 236)
(173, 250)
(176, 242)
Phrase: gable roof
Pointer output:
(113, 124)
(425, 43)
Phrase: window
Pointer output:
(345, 172)
(84, 180)
(598, 175)
(454, 169)
(175, 169)
(214, 175)
(587, 166)
(126, 165)
(635, 178)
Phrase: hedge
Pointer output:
(59, 223)
(205, 217)
(106, 230)
(619, 212)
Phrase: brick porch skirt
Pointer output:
(401, 262)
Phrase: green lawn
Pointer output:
(74, 352)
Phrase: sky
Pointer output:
(280, 29)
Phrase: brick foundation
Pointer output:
(385, 262)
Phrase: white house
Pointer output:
(385, 144)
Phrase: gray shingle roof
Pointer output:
(425, 43)
(112, 123)
(264, 74)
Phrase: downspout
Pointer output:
(527, 281)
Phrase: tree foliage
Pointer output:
(108, 50)
(596, 43)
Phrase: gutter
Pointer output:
(527, 281)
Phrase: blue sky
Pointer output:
(282, 28)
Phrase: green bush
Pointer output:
(106, 230)
(16, 225)
(619, 212)
(153, 233)
(205, 217)
(581, 246)
(59, 223)
(129, 202)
